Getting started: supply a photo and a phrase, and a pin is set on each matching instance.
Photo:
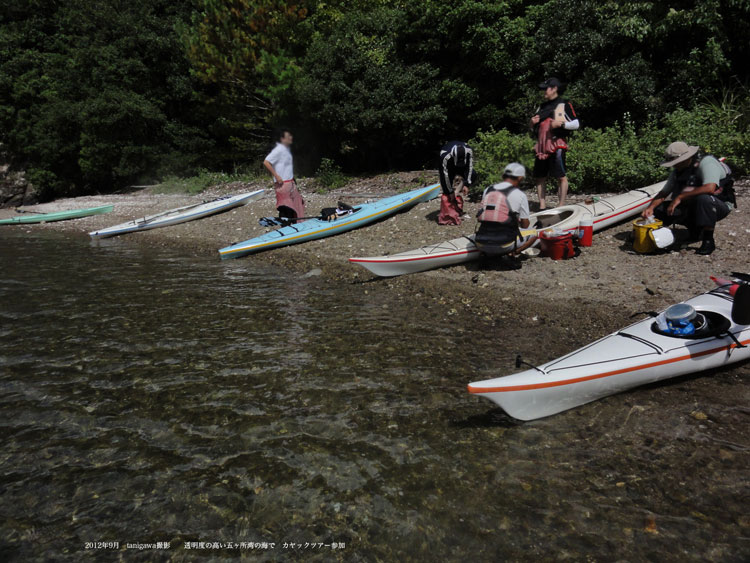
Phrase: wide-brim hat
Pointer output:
(678, 152)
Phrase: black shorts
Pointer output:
(554, 166)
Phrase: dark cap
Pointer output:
(550, 82)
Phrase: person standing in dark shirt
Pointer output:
(551, 124)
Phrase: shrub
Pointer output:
(715, 129)
(613, 159)
(329, 175)
(493, 150)
(623, 157)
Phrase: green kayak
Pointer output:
(57, 216)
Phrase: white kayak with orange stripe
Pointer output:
(605, 212)
(636, 355)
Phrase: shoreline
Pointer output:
(608, 278)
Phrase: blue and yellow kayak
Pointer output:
(317, 228)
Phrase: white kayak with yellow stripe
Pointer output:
(312, 229)
(636, 355)
(604, 213)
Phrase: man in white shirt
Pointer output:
(289, 202)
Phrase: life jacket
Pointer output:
(545, 144)
(498, 224)
(495, 207)
(451, 210)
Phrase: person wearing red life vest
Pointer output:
(551, 124)
(504, 209)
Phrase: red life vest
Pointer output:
(495, 207)
(451, 209)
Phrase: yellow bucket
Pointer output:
(643, 240)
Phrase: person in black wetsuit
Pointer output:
(456, 170)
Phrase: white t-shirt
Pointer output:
(281, 160)
(517, 200)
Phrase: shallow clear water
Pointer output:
(148, 396)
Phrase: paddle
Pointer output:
(281, 221)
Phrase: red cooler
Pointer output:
(557, 246)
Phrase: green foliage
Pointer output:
(622, 156)
(715, 129)
(96, 96)
(615, 158)
(367, 104)
(641, 57)
(244, 52)
(493, 150)
(329, 175)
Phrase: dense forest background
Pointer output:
(98, 95)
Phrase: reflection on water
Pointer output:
(149, 397)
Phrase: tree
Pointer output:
(245, 51)
(95, 96)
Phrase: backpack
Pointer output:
(725, 191)
(689, 178)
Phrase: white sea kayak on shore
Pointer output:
(179, 215)
(605, 212)
(636, 355)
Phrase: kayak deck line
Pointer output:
(621, 211)
(531, 386)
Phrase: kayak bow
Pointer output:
(636, 355)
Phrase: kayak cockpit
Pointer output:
(707, 324)
(552, 217)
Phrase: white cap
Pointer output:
(515, 169)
